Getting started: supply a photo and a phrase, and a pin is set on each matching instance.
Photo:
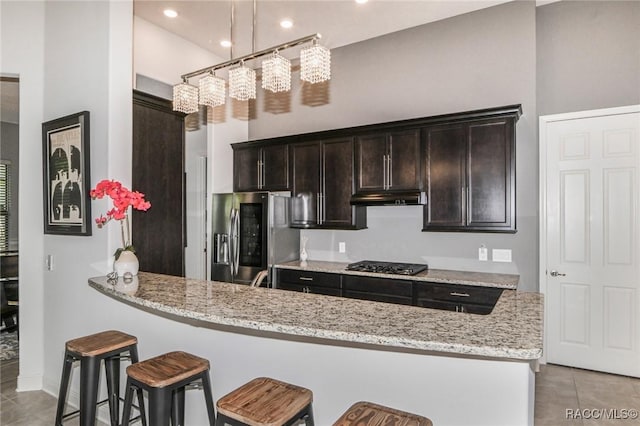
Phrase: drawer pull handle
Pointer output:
(306, 278)
(453, 293)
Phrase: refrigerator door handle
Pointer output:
(231, 241)
(236, 232)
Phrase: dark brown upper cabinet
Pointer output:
(322, 172)
(261, 168)
(470, 176)
(388, 161)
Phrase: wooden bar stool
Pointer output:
(369, 414)
(266, 402)
(165, 378)
(112, 347)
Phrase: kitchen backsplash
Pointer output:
(394, 234)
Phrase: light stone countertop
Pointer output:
(513, 330)
(483, 279)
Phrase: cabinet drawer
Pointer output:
(304, 288)
(316, 279)
(457, 293)
(382, 286)
(377, 297)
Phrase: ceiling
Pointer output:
(340, 22)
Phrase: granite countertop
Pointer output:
(513, 330)
(484, 279)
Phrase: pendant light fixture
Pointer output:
(185, 97)
(276, 73)
(315, 67)
(242, 83)
(315, 63)
(212, 91)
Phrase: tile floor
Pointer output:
(558, 389)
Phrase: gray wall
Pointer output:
(588, 55)
(479, 60)
(9, 151)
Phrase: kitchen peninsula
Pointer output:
(454, 368)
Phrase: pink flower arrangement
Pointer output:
(123, 198)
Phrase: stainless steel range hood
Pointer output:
(389, 199)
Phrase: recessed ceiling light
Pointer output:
(286, 23)
(361, 1)
(170, 13)
(225, 43)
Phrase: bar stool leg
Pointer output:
(89, 376)
(308, 420)
(159, 406)
(128, 397)
(133, 352)
(64, 387)
(177, 407)
(112, 367)
(208, 398)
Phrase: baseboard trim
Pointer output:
(29, 382)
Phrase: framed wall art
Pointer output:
(67, 207)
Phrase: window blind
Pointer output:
(5, 200)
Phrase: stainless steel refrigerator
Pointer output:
(250, 234)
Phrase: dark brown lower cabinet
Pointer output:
(456, 297)
(451, 297)
(378, 289)
(159, 235)
(309, 282)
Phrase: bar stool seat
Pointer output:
(369, 414)
(165, 378)
(266, 402)
(111, 346)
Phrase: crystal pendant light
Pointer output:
(212, 91)
(185, 97)
(242, 83)
(315, 63)
(276, 73)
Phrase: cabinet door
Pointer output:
(275, 168)
(158, 171)
(305, 175)
(246, 167)
(337, 183)
(445, 177)
(378, 289)
(371, 151)
(490, 162)
(404, 164)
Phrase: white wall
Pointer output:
(164, 56)
(22, 54)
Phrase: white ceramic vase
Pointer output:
(127, 262)
(303, 249)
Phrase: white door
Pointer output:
(590, 258)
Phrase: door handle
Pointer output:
(384, 172)
(389, 172)
(557, 274)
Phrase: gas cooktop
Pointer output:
(387, 267)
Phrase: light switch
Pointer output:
(501, 255)
(49, 262)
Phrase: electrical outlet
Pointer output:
(49, 262)
(342, 247)
(483, 253)
(501, 255)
